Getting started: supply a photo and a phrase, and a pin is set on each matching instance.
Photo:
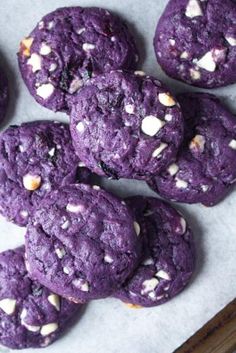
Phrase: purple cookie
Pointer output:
(169, 254)
(68, 47)
(35, 158)
(195, 42)
(4, 95)
(126, 125)
(30, 315)
(205, 167)
(82, 243)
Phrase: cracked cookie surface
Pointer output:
(35, 158)
(168, 254)
(126, 124)
(31, 315)
(68, 47)
(195, 42)
(82, 243)
(205, 168)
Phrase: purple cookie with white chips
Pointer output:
(4, 95)
(205, 167)
(126, 125)
(68, 47)
(35, 158)
(31, 315)
(82, 243)
(195, 42)
(169, 254)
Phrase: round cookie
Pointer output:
(205, 167)
(82, 243)
(169, 254)
(31, 315)
(4, 95)
(68, 47)
(35, 158)
(195, 42)
(126, 124)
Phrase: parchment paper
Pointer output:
(107, 325)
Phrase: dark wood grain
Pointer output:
(217, 336)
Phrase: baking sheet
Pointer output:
(107, 325)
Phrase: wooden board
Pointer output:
(217, 336)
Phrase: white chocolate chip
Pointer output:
(51, 152)
(26, 44)
(113, 39)
(74, 208)
(173, 169)
(168, 117)
(8, 305)
(41, 25)
(60, 253)
(108, 259)
(81, 284)
(45, 90)
(65, 225)
(35, 61)
(88, 46)
(193, 9)
(184, 55)
(49, 328)
(139, 73)
(81, 164)
(96, 187)
(151, 125)
(137, 228)
(183, 225)
(54, 300)
(50, 25)
(52, 67)
(158, 150)
(198, 143)
(149, 285)
(204, 188)
(24, 213)
(80, 127)
(129, 108)
(207, 62)
(163, 274)
(66, 270)
(148, 261)
(181, 184)
(195, 74)
(172, 42)
(80, 30)
(166, 99)
(75, 85)
(152, 295)
(231, 41)
(31, 328)
(31, 182)
(232, 144)
(45, 49)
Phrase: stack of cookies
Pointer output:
(81, 242)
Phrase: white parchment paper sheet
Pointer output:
(108, 325)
